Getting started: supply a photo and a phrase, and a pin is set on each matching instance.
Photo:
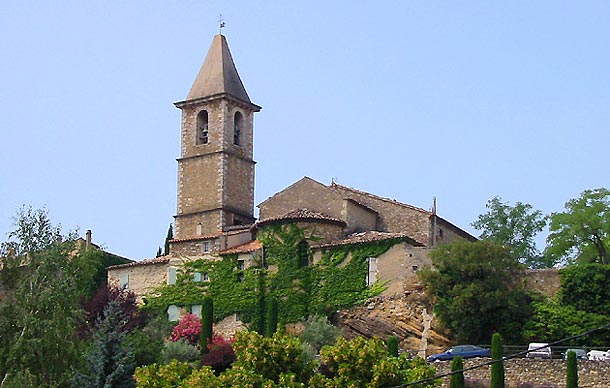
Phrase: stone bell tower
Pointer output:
(215, 167)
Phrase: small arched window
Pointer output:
(202, 127)
(237, 125)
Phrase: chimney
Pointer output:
(88, 240)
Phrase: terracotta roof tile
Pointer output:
(367, 237)
(377, 197)
(197, 238)
(156, 260)
(248, 247)
(302, 215)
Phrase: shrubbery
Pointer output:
(188, 329)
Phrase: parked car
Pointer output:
(539, 350)
(464, 351)
(581, 354)
(598, 355)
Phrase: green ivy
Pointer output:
(287, 274)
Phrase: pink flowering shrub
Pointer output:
(189, 329)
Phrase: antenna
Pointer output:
(221, 24)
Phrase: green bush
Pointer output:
(179, 351)
(271, 357)
(497, 368)
(162, 376)
(572, 371)
(319, 332)
(457, 378)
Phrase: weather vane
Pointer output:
(221, 24)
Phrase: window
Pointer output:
(414, 268)
(124, 281)
(171, 276)
(205, 277)
(240, 265)
(205, 247)
(371, 276)
(237, 125)
(196, 310)
(199, 229)
(172, 313)
(202, 128)
(197, 277)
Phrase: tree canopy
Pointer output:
(515, 227)
(582, 232)
(476, 290)
(42, 307)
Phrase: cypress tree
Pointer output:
(260, 303)
(497, 368)
(457, 379)
(393, 346)
(170, 235)
(159, 253)
(207, 320)
(272, 318)
(572, 371)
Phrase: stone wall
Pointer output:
(547, 373)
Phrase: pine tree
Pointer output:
(393, 346)
(159, 252)
(497, 368)
(207, 322)
(170, 236)
(110, 362)
(457, 379)
(572, 371)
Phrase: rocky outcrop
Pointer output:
(409, 318)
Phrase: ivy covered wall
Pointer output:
(286, 272)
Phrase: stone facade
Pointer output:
(551, 373)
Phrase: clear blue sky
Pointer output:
(404, 99)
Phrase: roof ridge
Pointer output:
(386, 199)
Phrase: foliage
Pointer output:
(207, 323)
(162, 376)
(319, 332)
(457, 376)
(179, 350)
(146, 348)
(272, 356)
(188, 329)
(475, 290)
(159, 252)
(365, 363)
(582, 232)
(552, 320)
(168, 237)
(393, 346)
(514, 227)
(301, 287)
(220, 356)
(109, 363)
(203, 377)
(571, 371)
(497, 368)
(585, 286)
(48, 279)
(271, 318)
(127, 300)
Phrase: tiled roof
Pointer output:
(248, 247)
(302, 215)
(368, 237)
(197, 238)
(377, 197)
(156, 260)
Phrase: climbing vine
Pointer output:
(286, 273)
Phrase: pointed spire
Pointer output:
(218, 74)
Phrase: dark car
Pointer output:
(464, 351)
(581, 354)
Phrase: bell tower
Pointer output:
(216, 166)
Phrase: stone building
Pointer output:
(215, 204)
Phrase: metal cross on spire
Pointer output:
(221, 24)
